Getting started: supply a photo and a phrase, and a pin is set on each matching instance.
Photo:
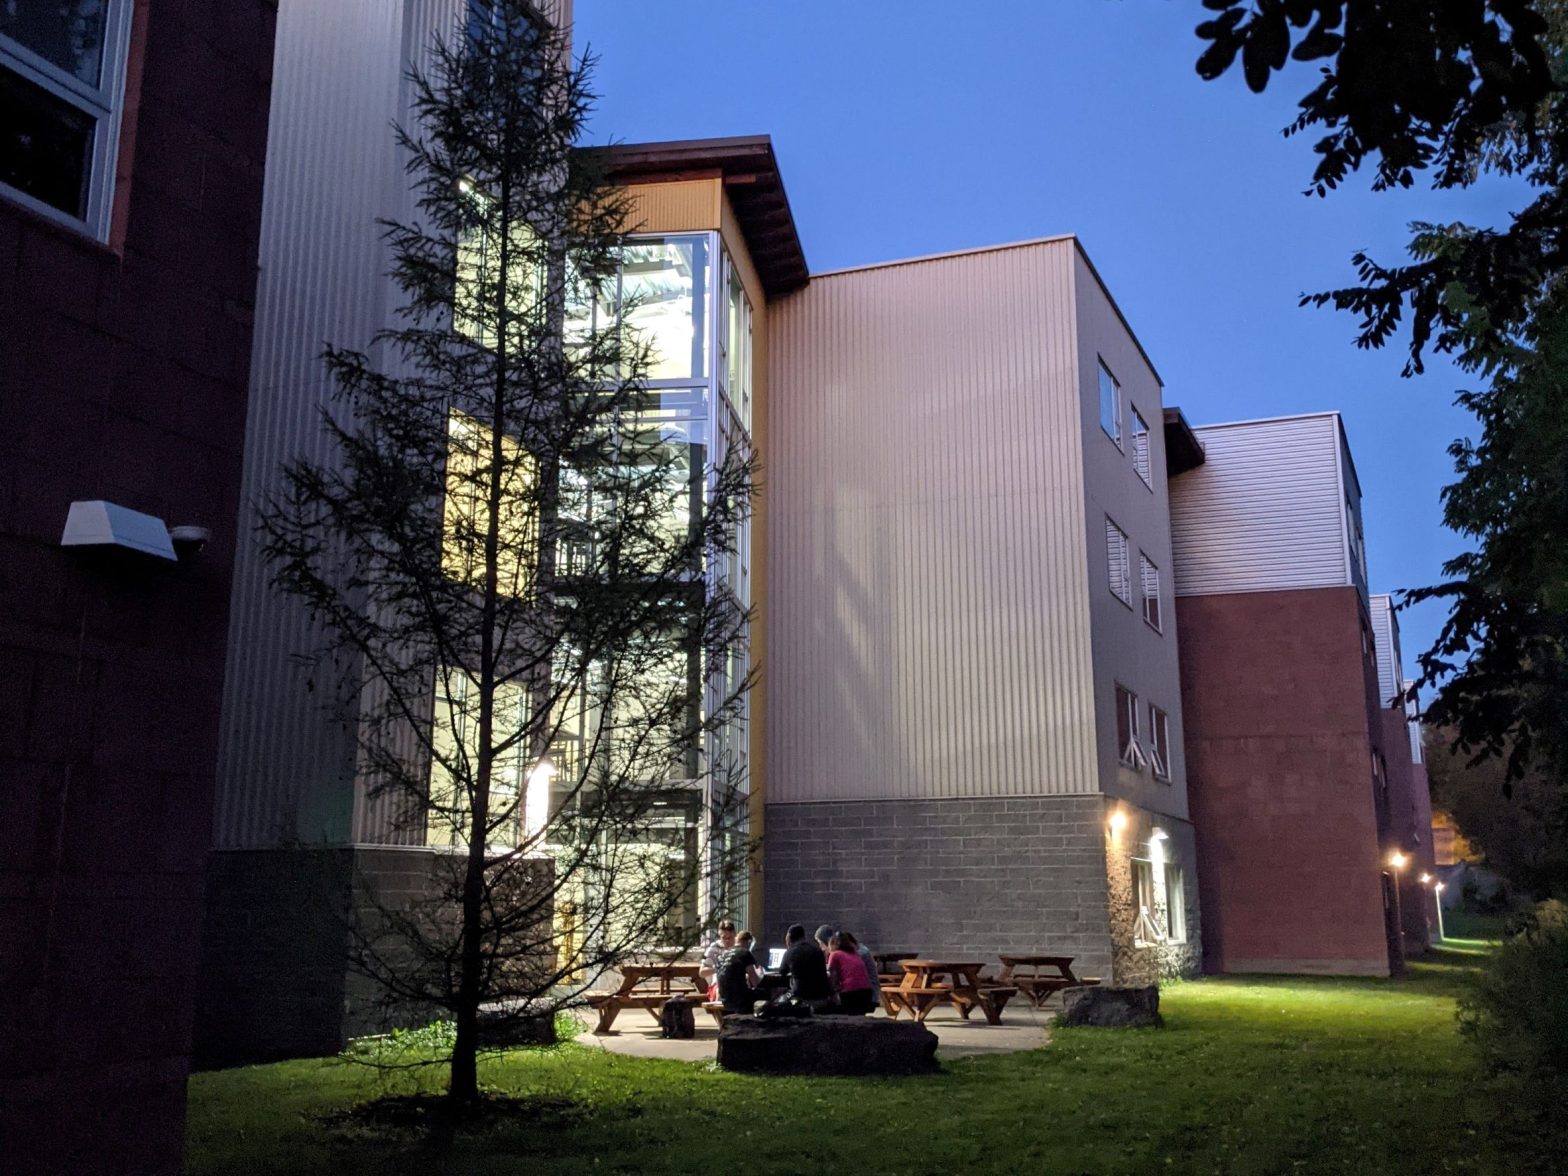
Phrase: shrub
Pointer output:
(1517, 1019)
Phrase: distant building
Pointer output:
(1288, 746)
(130, 193)
(1410, 793)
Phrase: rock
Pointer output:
(826, 1045)
(1112, 1008)
(501, 1027)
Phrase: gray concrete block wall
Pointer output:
(969, 877)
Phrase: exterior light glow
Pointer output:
(1425, 878)
(1118, 821)
(1397, 860)
(1158, 835)
(536, 804)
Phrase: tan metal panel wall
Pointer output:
(928, 624)
(680, 206)
(285, 771)
(1264, 511)
(1127, 649)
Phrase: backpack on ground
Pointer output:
(676, 1020)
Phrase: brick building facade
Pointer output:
(126, 295)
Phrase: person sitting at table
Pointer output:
(738, 976)
(850, 943)
(710, 956)
(850, 979)
(805, 969)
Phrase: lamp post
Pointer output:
(1437, 891)
(1396, 862)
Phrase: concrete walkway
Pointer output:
(637, 1035)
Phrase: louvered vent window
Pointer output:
(1140, 448)
(1150, 576)
(1116, 563)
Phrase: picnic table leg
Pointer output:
(607, 1014)
(992, 1004)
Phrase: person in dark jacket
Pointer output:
(805, 968)
(738, 976)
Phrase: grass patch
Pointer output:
(1257, 1075)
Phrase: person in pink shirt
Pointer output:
(850, 980)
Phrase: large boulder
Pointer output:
(1112, 1008)
(826, 1045)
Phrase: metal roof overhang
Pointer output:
(750, 173)
(1183, 450)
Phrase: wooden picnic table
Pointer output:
(1039, 976)
(648, 986)
(888, 963)
(922, 989)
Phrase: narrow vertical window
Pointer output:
(1140, 448)
(1159, 743)
(1149, 574)
(1110, 405)
(1175, 904)
(1117, 563)
(1128, 749)
(1146, 930)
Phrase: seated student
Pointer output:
(738, 976)
(848, 973)
(850, 943)
(805, 968)
(722, 943)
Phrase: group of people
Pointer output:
(831, 972)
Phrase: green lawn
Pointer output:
(1265, 1075)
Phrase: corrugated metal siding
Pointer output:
(681, 206)
(1385, 636)
(928, 628)
(1264, 511)
(285, 770)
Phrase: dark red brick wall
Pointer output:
(123, 373)
(1279, 716)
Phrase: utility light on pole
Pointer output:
(1437, 893)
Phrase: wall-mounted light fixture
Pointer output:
(1118, 821)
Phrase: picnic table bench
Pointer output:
(647, 986)
(921, 990)
(1039, 976)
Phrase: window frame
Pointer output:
(1175, 903)
(1129, 751)
(1159, 733)
(103, 103)
(1118, 569)
(1146, 566)
(1142, 448)
(1105, 374)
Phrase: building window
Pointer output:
(1146, 929)
(1110, 405)
(1149, 574)
(467, 507)
(62, 82)
(1175, 904)
(1117, 564)
(1140, 448)
(454, 763)
(1159, 743)
(1128, 749)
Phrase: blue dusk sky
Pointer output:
(907, 127)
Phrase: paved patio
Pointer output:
(637, 1035)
